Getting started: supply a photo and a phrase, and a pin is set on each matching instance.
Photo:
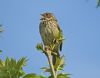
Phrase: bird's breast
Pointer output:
(49, 32)
(51, 29)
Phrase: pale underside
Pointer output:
(49, 31)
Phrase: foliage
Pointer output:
(10, 68)
(0, 51)
(33, 75)
(98, 4)
(39, 46)
(61, 75)
(59, 65)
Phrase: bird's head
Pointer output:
(47, 16)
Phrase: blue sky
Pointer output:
(79, 20)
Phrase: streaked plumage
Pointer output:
(51, 33)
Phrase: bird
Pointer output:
(51, 34)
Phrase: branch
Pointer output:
(49, 56)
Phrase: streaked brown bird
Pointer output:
(51, 34)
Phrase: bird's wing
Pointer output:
(40, 28)
(42, 33)
(60, 37)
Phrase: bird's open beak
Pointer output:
(42, 14)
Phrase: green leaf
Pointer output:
(33, 75)
(46, 69)
(39, 46)
(21, 62)
(98, 4)
(29, 75)
(62, 75)
(59, 64)
(0, 51)
(7, 62)
(1, 63)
